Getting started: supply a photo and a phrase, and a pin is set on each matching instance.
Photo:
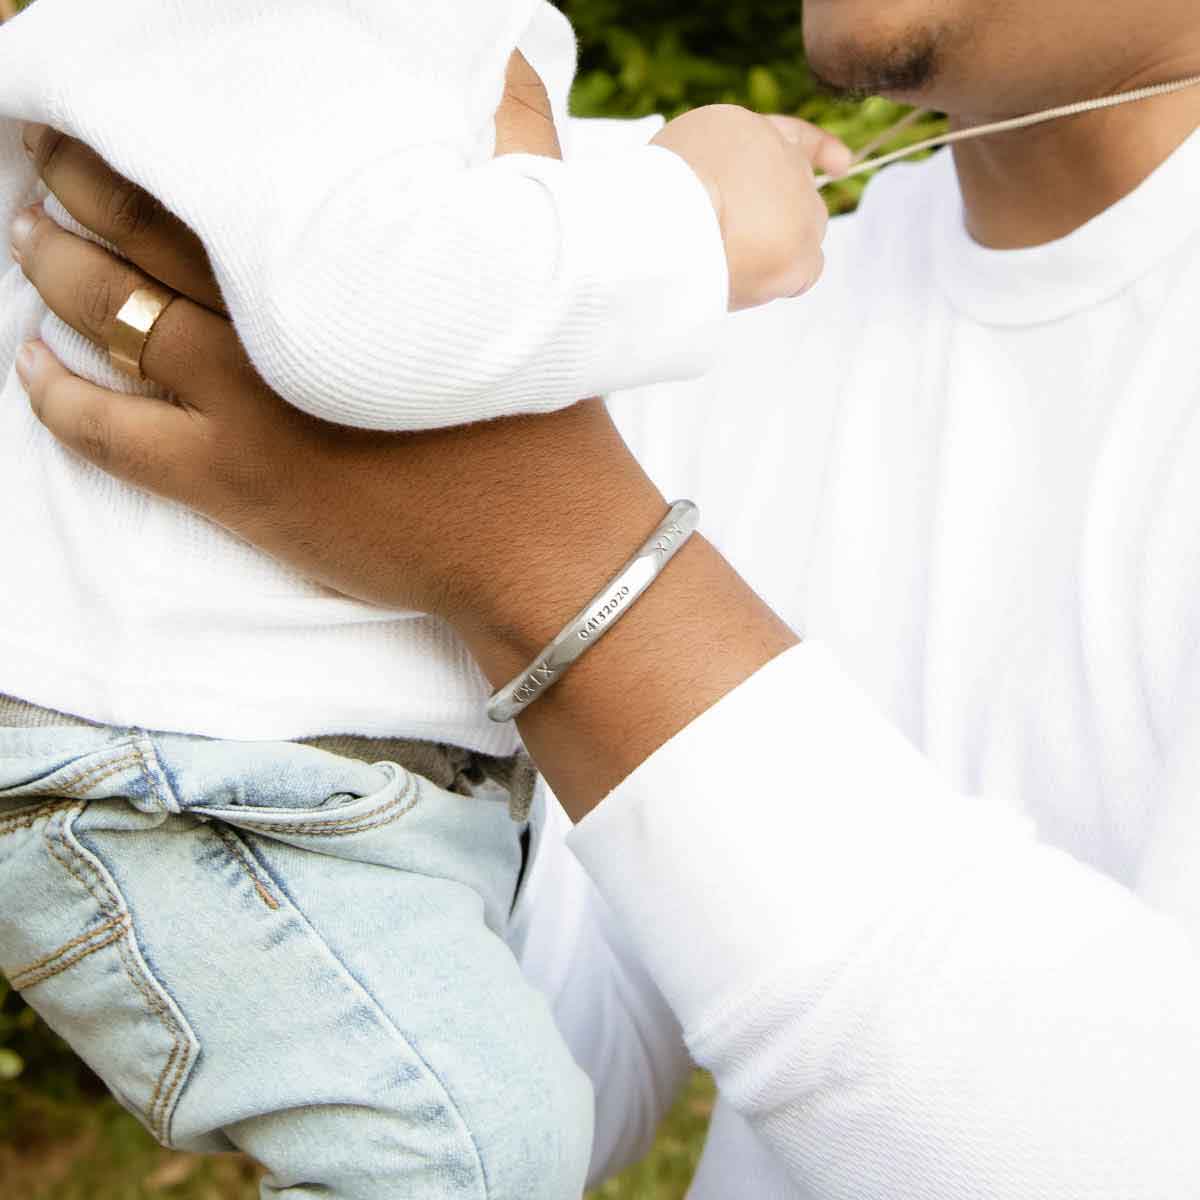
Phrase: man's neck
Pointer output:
(1037, 185)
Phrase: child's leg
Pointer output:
(297, 954)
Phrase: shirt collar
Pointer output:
(1093, 264)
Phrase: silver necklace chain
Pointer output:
(864, 163)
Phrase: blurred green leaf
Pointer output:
(11, 1065)
(763, 90)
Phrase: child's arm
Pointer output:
(527, 284)
(381, 272)
(518, 286)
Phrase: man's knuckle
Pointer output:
(249, 482)
(38, 393)
(190, 345)
(93, 438)
(140, 461)
(189, 350)
(94, 301)
(131, 212)
(31, 252)
(47, 147)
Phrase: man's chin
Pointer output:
(902, 66)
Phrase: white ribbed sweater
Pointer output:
(335, 157)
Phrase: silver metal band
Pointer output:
(601, 614)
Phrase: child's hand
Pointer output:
(525, 120)
(759, 172)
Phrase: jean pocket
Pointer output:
(392, 818)
(340, 814)
(68, 943)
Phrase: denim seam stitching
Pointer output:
(404, 802)
(83, 937)
(483, 1175)
(338, 824)
(82, 777)
(238, 852)
(92, 781)
(30, 817)
(20, 983)
(157, 1112)
(173, 1067)
(85, 780)
(386, 1018)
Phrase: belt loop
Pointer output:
(157, 780)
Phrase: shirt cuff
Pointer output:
(645, 263)
(778, 827)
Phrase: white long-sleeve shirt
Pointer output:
(336, 158)
(924, 893)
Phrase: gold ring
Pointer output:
(133, 326)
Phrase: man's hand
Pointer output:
(291, 484)
(502, 528)
(229, 447)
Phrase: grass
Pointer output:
(90, 1149)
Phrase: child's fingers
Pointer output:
(827, 153)
(816, 268)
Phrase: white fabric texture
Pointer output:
(924, 893)
(335, 157)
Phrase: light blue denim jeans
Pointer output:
(281, 950)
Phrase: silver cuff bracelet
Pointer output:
(600, 615)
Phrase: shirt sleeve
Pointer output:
(520, 286)
(614, 1019)
(382, 268)
(899, 988)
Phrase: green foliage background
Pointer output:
(637, 57)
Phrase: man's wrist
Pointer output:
(550, 537)
(546, 542)
(692, 638)
(602, 613)
(695, 635)
(529, 598)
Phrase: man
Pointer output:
(965, 465)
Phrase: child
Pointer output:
(276, 923)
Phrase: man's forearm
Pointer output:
(694, 636)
